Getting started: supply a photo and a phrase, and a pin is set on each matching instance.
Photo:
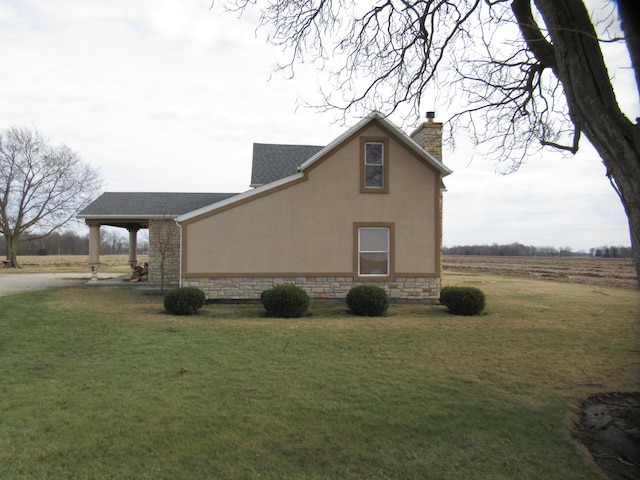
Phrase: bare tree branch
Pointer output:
(525, 74)
(42, 187)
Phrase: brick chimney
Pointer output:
(429, 136)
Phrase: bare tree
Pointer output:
(113, 242)
(529, 74)
(164, 249)
(41, 187)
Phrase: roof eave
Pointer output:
(125, 217)
(406, 139)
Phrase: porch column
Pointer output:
(133, 247)
(94, 251)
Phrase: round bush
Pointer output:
(184, 300)
(367, 301)
(285, 301)
(463, 300)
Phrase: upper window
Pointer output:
(374, 164)
(373, 251)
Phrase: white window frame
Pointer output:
(386, 252)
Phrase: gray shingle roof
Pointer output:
(149, 204)
(272, 162)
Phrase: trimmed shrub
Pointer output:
(463, 300)
(285, 301)
(184, 300)
(368, 301)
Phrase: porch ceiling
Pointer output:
(128, 224)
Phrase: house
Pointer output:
(365, 209)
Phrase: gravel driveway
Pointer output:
(20, 282)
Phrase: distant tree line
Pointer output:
(520, 250)
(116, 242)
(612, 252)
(112, 242)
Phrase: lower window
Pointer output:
(373, 251)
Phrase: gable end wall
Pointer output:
(302, 232)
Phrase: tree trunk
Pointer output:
(162, 275)
(579, 65)
(11, 250)
(631, 201)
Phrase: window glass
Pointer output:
(373, 251)
(374, 239)
(374, 164)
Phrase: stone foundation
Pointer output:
(233, 289)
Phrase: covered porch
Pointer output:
(152, 211)
(132, 227)
(163, 266)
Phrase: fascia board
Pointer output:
(406, 139)
(337, 141)
(126, 217)
(410, 143)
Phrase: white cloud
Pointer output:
(550, 201)
(170, 95)
(8, 15)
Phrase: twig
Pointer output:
(621, 460)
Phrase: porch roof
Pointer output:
(126, 209)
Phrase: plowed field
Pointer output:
(611, 272)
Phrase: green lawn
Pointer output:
(101, 384)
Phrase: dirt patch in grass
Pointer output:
(609, 426)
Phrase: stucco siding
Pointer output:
(308, 227)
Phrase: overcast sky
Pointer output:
(169, 95)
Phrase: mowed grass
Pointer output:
(102, 384)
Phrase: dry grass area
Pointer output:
(610, 272)
(73, 263)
